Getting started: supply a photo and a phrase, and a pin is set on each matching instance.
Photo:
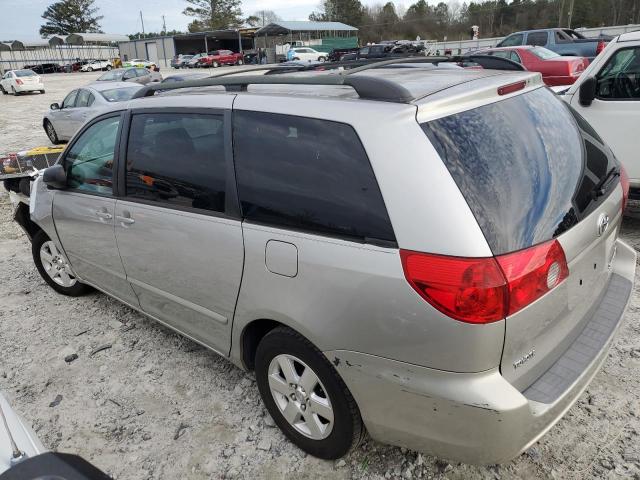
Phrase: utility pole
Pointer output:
(570, 14)
(164, 26)
(142, 21)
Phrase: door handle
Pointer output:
(125, 220)
(103, 215)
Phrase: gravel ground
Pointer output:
(156, 405)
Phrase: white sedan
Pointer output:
(20, 81)
(306, 54)
(138, 62)
(96, 65)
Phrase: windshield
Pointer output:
(526, 169)
(543, 53)
(25, 73)
(112, 75)
(120, 94)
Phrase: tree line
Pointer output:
(383, 21)
(454, 19)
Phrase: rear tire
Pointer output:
(240, 62)
(42, 91)
(322, 59)
(53, 268)
(13, 91)
(51, 132)
(108, 67)
(322, 420)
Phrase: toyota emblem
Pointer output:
(603, 223)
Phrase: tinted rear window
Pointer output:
(520, 164)
(308, 175)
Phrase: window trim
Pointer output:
(75, 100)
(597, 75)
(378, 242)
(116, 157)
(231, 203)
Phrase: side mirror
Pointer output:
(55, 177)
(54, 106)
(588, 91)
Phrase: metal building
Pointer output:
(162, 49)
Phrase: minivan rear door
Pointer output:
(176, 222)
(532, 170)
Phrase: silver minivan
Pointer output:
(430, 255)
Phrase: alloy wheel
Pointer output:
(301, 397)
(56, 266)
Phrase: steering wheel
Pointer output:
(623, 86)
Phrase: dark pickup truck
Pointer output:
(560, 40)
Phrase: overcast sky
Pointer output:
(21, 19)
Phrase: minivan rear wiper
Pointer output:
(599, 190)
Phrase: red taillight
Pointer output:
(18, 81)
(532, 272)
(624, 182)
(485, 290)
(472, 290)
(512, 87)
(600, 46)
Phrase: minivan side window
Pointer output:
(89, 162)
(620, 77)
(178, 160)
(308, 175)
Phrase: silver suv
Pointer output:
(430, 254)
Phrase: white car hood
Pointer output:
(22, 434)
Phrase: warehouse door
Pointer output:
(152, 52)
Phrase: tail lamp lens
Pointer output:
(485, 290)
(472, 290)
(624, 182)
(18, 81)
(533, 272)
(600, 46)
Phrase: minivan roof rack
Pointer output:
(367, 87)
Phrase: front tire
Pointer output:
(240, 62)
(53, 267)
(305, 395)
(108, 67)
(4, 92)
(322, 59)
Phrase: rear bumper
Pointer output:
(30, 88)
(481, 418)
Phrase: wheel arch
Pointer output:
(255, 330)
(23, 218)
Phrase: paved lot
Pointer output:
(155, 405)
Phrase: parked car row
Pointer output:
(214, 58)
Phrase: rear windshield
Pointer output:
(120, 94)
(543, 53)
(526, 169)
(112, 75)
(25, 73)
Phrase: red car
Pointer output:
(555, 69)
(220, 57)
